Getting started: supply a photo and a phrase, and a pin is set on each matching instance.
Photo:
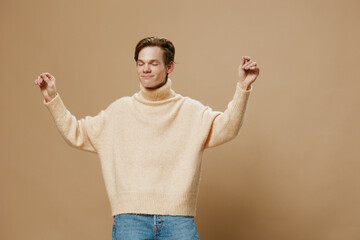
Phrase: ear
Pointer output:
(170, 67)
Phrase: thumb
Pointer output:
(244, 60)
(49, 76)
(45, 78)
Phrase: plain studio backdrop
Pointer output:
(293, 172)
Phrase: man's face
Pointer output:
(151, 68)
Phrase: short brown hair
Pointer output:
(167, 47)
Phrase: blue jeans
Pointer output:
(133, 226)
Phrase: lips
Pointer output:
(147, 76)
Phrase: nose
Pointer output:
(146, 68)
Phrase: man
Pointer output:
(150, 145)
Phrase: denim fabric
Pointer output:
(133, 226)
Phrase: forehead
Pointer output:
(151, 53)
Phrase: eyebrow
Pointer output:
(151, 60)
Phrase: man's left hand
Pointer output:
(248, 72)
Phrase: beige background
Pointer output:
(292, 173)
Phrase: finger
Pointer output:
(247, 64)
(245, 60)
(43, 80)
(48, 75)
(253, 68)
(44, 77)
(251, 65)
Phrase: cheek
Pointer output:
(160, 70)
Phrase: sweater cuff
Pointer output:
(238, 85)
(56, 106)
(241, 95)
(47, 103)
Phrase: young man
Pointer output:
(150, 145)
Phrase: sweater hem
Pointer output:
(154, 203)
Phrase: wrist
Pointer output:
(245, 86)
(48, 99)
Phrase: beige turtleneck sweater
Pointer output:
(150, 146)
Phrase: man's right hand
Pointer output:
(46, 83)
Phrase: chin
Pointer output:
(153, 82)
(148, 84)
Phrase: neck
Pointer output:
(156, 94)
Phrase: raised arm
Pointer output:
(226, 125)
(81, 133)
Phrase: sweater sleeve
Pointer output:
(82, 133)
(226, 125)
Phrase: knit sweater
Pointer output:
(150, 145)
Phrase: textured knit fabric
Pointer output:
(150, 145)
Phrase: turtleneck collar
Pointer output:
(162, 93)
